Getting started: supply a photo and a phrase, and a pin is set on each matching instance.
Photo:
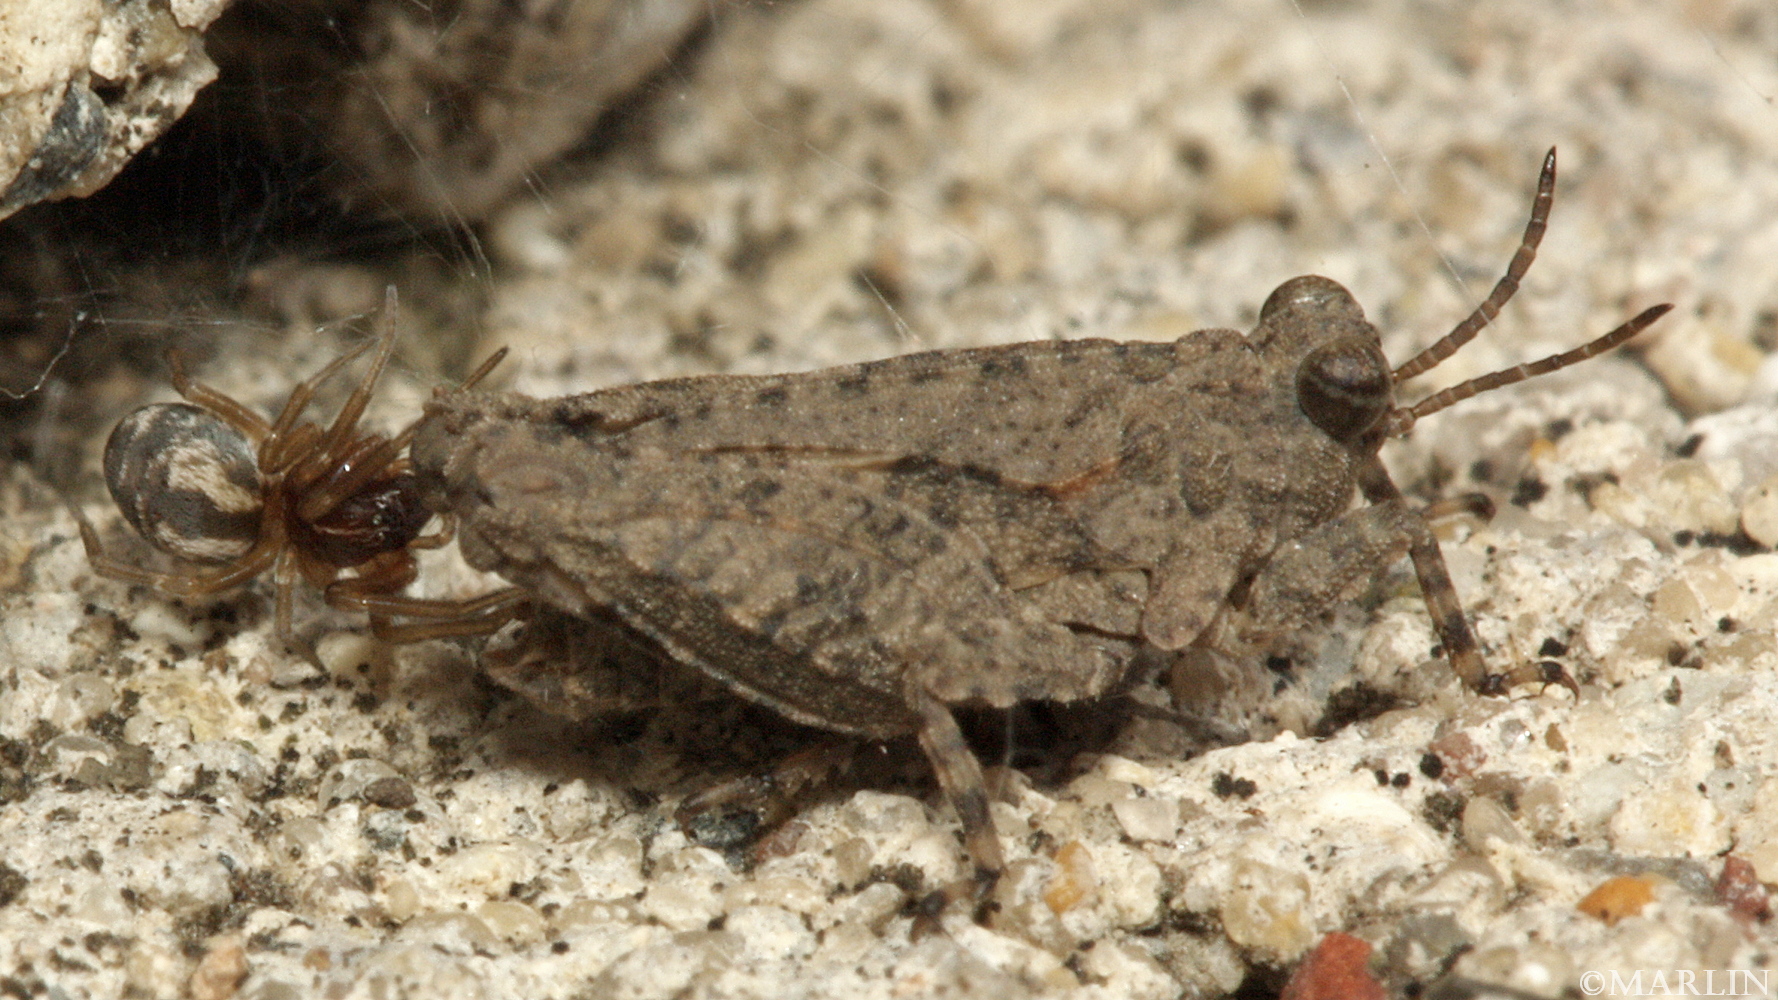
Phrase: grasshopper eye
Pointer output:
(186, 481)
(1344, 388)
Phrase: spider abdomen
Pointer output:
(187, 481)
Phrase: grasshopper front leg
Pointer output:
(1308, 575)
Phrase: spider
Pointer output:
(216, 486)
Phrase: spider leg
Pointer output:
(346, 421)
(447, 530)
(438, 619)
(376, 590)
(275, 448)
(284, 577)
(209, 581)
(447, 622)
(328, 481)
(226, 407)
(285, 450)
(386, 574)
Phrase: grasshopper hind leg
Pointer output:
(960, 775)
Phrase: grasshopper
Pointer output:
(864, 547)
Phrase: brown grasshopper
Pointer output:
(863, 547)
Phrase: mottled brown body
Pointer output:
(999, 547)
(861, 547)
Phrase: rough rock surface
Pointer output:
(184, 807)
(438, 112)
(85, 84)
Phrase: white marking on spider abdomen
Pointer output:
(187, 481)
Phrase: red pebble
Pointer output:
(1335, 970)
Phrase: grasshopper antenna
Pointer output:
(1400, 420)
(1504, 289)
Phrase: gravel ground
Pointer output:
(188, 809)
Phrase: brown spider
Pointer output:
(210, 482)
